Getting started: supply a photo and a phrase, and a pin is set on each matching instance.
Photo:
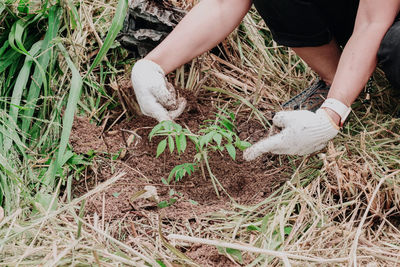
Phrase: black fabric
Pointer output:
(389, 54)
(304, 23)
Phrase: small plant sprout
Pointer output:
(214, 135)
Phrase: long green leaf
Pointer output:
(2, 7)
(20, 84)
(68, 118)
(43, 62)
(116, 26)
(16, 42)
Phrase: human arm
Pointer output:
(304, 131)
(359, 57)
(207, 24)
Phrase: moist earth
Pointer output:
(126, 148)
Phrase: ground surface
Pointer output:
(246, 182)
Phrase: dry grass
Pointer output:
(340, 207)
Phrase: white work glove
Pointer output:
(303, 132)
(156, 97)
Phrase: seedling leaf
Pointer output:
(155, 130)
(163, 204)
(205, 139)
(182, 142)
(178, 144)
(161, 147)
(171, 144)
(217, 138)
(231, 150)
(242, 145)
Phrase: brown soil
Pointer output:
(245, 182)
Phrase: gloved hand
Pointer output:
(156, 97)
(303, 132)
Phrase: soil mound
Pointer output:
(187, 200)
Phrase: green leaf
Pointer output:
(242, 145)
(162, 264)
(116, 194)
(228, 125)
(169, 125)
(78, 160)
(227, 135)
(231, 150)
(23, 6)
(19, 87)
(182, 142)
(217, 138)
(44, 200)
(287, 230)
(2, 7)
(180, 173)
(163, 204)
(178, 144)
(177, 128)
(165, 181)
(116, 26)
(232, 115)
(161, 147)
(69, 114)
(253, 228)
(236, 253)
(189, 168)
(74, 16)
(173, 172)
(39, 74)
(205, 139)
(155, 130)
(171, 144)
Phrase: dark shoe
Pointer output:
(310, 99)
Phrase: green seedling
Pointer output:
(215, 135)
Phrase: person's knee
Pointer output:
(389, 55)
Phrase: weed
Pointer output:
(216, 135)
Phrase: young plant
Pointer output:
(215, 135)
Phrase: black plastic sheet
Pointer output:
(147, 23)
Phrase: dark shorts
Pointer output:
(304, 23)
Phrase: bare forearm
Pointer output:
(359, 57)
(357, 62)
(207, 24)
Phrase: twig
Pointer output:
(283, 255)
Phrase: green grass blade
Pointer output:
(2, 7)
(68, 118)
(6, 133)
(74, 95)
(43, 62)
(116, 26)
(20, 84)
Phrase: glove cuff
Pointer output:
(329, 118)
(341, 109)
(145, 63)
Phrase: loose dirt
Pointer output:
(246, 182)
